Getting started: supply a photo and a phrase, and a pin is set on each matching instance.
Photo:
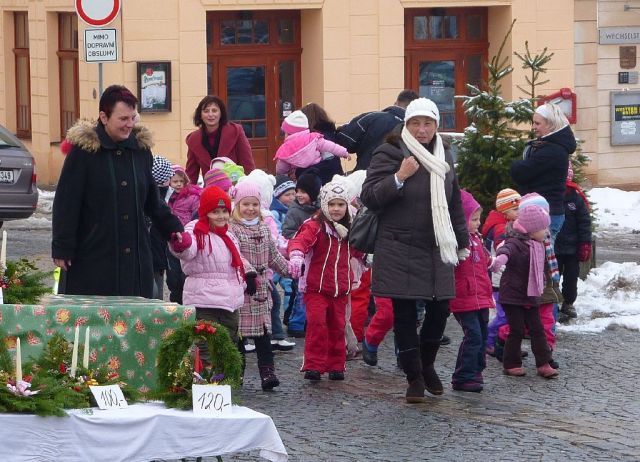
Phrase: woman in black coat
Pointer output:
(546, 160)
(412, 185)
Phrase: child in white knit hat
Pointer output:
(303, 148)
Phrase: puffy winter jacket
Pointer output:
(183, 204)
(296, 215)
(304, 149)
(473, 287)
(327, 259)
(211, 280)
(576, 228)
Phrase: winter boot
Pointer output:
(547, 371)
(569, 310)
(369, 356)
(432, 382)
(268, 377)
(410, 361)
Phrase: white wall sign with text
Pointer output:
(100, 46)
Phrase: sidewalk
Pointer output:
(591, 412)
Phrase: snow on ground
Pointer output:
(616, 209)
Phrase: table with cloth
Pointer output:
(126, 332)
(141, 432)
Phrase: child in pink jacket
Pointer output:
(303, 148)
(185, 198)
(216, 271)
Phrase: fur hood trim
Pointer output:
(83, 134)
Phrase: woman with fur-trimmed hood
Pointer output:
(105, 190)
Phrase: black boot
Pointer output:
(268, 377)
(410, 361)
(432, 382)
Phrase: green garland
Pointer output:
(176, 362)
(22, 283)
(56, 390)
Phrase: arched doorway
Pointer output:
(253, 64)
(446, 48)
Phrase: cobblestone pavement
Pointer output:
(589, 413)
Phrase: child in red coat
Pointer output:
(472, 303)
(322, 247)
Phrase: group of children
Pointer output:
(245, 235)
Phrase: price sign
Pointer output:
(109, 397)
(211, 400)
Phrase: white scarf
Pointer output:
(438, 169)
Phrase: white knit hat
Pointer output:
(422, 107)
(295, 122)
(329, 192)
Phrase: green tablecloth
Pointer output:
(125, 331)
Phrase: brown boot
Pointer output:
(432, 383)
(268, 377)
(410, 361)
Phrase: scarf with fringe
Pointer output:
(438, 169)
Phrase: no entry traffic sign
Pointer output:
(97, 12)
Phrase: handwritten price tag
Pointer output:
(109, 397)
(211, 400)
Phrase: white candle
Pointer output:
(85, 356)
(18, 361)
(3, 251)
(74, 356)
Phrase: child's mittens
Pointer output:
(252, 283)
(180, 245)
(463, 254)
(296, 262)
(498, 263)
(584, 251)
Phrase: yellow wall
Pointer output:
(352, 59)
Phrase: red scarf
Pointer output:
(202, 229)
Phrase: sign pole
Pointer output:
(100, 82)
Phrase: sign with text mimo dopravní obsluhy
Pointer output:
(100, 46)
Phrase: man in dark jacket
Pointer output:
(364, 133)
(100, 237)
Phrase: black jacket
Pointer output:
(576, 228)
(544, 168)
(296, 215)
(407, 262)
(104, 192)
(368, 131)
(159, 249)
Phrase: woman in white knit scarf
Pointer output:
(421, 236)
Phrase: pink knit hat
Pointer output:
(216, 177)
(469, 204)
(295, 122)
(532, 218)
(244, 189)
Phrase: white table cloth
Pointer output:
(141, 432)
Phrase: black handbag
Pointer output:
(363, 231)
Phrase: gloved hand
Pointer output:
(498, 263)
(584, 251)
(463, 254)
(296, 262)
(252, 283)
(180, 245)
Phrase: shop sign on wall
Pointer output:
(625, 117)
(619, 35)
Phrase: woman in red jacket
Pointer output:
(215, 137)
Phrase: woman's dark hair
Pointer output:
(318, 117)
(206, 101)
(113, 95)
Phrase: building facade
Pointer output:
(267, 57)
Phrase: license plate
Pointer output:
(6, 176)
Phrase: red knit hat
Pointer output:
(212, 198)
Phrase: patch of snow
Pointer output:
(616, 209)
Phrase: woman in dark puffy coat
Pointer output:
(546, 159)
(412, 185)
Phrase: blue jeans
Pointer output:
(555, 226)
(277, 333)
(299, 314)
(471, 354)
(285, 283)
(499, 320)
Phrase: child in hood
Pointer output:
(185, 198)
(303, 148)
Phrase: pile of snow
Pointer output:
(616, 210)
(609, 297)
